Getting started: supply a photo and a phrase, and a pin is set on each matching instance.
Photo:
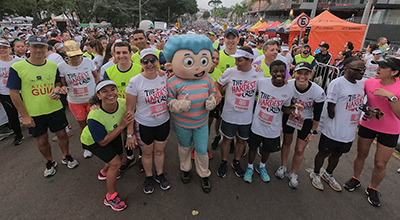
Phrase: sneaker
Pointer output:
(126, 164)
(205, 184)
(221, 172)
(87, 154)
(185, 177)
(69, 134)
(293, 182)
(352, 184)
(248, 176)
(373, 196)
(259, 150)
(18, 140)
(50, 168)
(102, 176)
(280, 172)
(148, 185)
(232, 149)
(7, 131)
(263, 173)
(238, 169)
(210, 156)
(164, 184)
(69, 161)
(141, 168)
(316, 181)
(398, 170)
(116, 203)
(331, 181)
(192, 154)
(215, 143)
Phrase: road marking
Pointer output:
(397, 155)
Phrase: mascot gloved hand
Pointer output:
(178, 106)
(211, 103)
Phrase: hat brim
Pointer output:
(74, 53)
(302, 68)
(38, 43)
(381, 63)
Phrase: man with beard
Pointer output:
(305, 56)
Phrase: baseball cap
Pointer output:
(306, 45)
(303, 66)
(37, 40)
(285, 48)
(242, 53)
(325, 45)
(104, 83)
(251, 43)
(71, 47)
(232, 31)
(375, 52)
(4, 43)
(391, 62)
(148, 51)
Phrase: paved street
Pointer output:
(77, 194)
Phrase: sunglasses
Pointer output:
(358, 69)
(146, 61)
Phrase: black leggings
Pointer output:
(12, 114)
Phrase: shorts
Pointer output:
(231, 130)
(55, 121)
(108, 152)
(146, 135)
(328, 145)
(80, 111)
(215, 113)
(269, 144)
(388, 140)
(301, 134)
(199, 136)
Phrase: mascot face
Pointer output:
(189, 56)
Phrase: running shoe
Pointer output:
(103, 176)
(116, 203)
(50, 168)
(210, 156)
(87, 154)
(398, 170)
(331, 181)
(248, 176)
(69, 161)
(280, 172)
(238, 169)
(185, 177)
(232, 148)
(373, 196)
(148, 185)
(18, 140)
(221, 172)
(263, 173)
(293, 182)
(352, 184)
(164, 184)
(69, 134)
(205, 184)
(126, 164)
(215, 143)
(7, 131)
(316, 181)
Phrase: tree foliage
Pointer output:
(206, 15)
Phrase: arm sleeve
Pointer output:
(105, 75)
(333, 93)
(14, 82)
(317, 110)
(131, 89)
(97, 130)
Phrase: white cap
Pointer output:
(242, 53)
(105, 83)
(375, 52)
(285, 48)
(4, 43)
(147, 51)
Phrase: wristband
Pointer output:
(57, 93)
(130, 135)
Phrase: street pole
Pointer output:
(301, 33)
(168, 19)
(369, 22)
(364, 18)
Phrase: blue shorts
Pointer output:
(199, 136)
(231, 130)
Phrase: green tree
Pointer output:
(214, 4)
(206, 15)
(238, 10)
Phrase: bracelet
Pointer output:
(57, 93)
(130, 135)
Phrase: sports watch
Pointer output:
(393, 99)
(313, 132)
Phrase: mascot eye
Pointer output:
(188, 62)
(203, 61)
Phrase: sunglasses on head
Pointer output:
(146, 61)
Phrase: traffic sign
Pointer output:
(303, 21)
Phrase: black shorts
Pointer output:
(269, 144)
(388, 140)
(215, 113)
(108, 152)
(301, 134)
(328, 145)
(55, 121)
(146, 135)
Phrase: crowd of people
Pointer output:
(126, 88)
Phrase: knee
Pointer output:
(240, 141)
(362, 155)
(380, 165)
(158, 152)
(299, 152)
(61, 134)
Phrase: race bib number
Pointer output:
(295, 123)
(158, 110)
(241, 105)
(354, 119)
(80, 92)
(265, 118)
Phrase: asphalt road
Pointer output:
(77, 194)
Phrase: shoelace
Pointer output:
(69, 158)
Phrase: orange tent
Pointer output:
(255, 29)
(334, 31)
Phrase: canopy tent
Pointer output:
(263, 29)
(245, 26)
(256, 25)
(255, 29)
(236, 27)
(274, 29)
(241, 26)
(334, 31)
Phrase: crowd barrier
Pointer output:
(324, 74)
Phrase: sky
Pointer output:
(225, 3)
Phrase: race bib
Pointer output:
(158, 110)
(241, 105)
(295, 123)
(354, 119)
(265, 119)
(80, 92)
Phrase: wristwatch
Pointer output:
(313, 132)
(393, 99)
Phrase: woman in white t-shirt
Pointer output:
(80, 76)
(146, 94)
(371, 66)
(98, 51)
(6, 60)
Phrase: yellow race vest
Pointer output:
(122, 78)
